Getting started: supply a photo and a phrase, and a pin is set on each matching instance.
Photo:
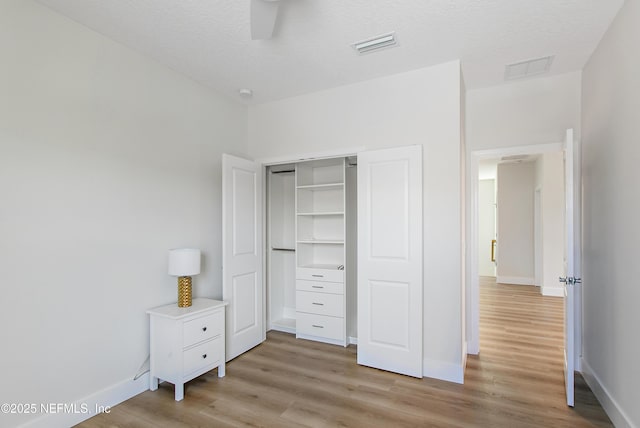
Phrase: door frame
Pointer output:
(473, 289)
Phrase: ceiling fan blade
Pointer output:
(263, 18)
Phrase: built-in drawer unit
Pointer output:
(320, 287)
(320, 326)
(312, 274)
(320, 303)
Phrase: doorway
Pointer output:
(509, 275)
(572, 320)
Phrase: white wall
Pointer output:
(519, 113)
(611, 154)
(553, 222)
(107, 160)
(487, 226)
(418, 107)
(535, 111)
(514, 198)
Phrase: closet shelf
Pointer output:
(322, 213)
(321, 266)
(328, 186)
(321, 241)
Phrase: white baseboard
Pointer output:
(517, 280)
(608, 403)
(353, 340)
(444, 370)
(553, 291)
(473, 347)
(87, 407)
(464, 359)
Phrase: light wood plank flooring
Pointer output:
(516, 381)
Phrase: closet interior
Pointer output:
(311, 249)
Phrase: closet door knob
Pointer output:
(204, 328)
(204, 355)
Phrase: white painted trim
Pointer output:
(553, 291)
(335, 153)
(353, 340)
(321, 339)
(470, 349)
(517, 280)
(464, 359)
(473, 279)
(534, 149)
(609, 404)
(443, 370)
(266, 255)
(106, 398)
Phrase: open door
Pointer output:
(569, 278)
(242, 254)
(390, 260)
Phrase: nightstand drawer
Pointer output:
(203, 328)
(320, 303)
(331, 275)
(320, 325)
(201, 356)
(320, 287)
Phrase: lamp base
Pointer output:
(184, 291)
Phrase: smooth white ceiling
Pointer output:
(209, 40)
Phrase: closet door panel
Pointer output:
(242, 254)
(389, 292)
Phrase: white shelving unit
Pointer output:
(320, 251)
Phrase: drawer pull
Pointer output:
(317, 326)
(204, 328)
(317, 286)
(318, 276)
(204, 356)
(318, 304)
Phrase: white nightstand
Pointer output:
(186, 342)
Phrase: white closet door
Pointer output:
(242, 254)
(390, 260)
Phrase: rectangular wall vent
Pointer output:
(528, 68)
(375, 43)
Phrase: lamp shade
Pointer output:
(184, 262)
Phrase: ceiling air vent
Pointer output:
(528, 68)
(375, 43)
(514, 158)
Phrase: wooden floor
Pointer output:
(516, 381)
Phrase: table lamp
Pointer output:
(184, 262)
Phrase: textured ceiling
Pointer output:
(209, 40)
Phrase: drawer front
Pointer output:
(331, 275)
(320, 303)
(320, 287)
(320, 325)
(202, 328)
(204, 355)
